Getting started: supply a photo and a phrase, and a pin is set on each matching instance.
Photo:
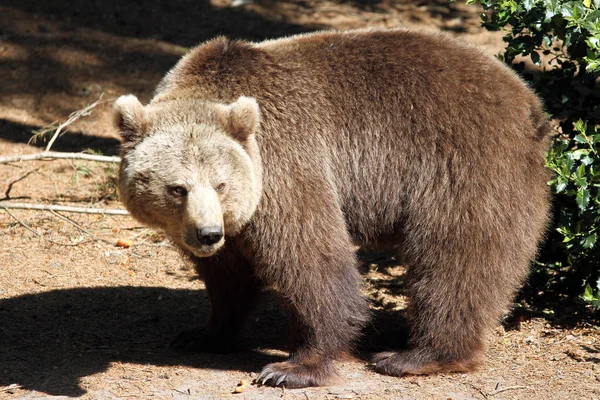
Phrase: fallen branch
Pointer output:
(480, 390)
(68, 220)
(39, 234)
(74, 116)
(495, 392)
(50, 207)
(53, 155)
(47, 155)
(9, 388)
(10, 185)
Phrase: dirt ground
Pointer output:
(81, 317)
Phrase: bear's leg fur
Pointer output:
(315, 273)
(232, 290)
(461, 279)
(323, 325)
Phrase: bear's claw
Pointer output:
(281, 380)
(296, 375)
(266, 376)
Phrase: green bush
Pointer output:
(562, 38)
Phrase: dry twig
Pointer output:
(53, 155)
(10, 185)
(74, 116)
(481, 392)
(50, 207)
(495, 392)
(68, 220)
(12, 387)
(39, 234)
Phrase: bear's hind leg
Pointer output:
(232, 290)
(460, 283)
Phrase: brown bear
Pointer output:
(266, 162)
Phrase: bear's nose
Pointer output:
(210, 235)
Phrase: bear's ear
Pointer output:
(243, 118)
(130, 118)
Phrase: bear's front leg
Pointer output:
(312, 265)
(232, 290)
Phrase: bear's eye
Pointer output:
(220, 187)
(178, 191)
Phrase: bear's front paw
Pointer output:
(297, 374)
(203, 340)
(417, 362)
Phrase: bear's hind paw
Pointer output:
(416, 363)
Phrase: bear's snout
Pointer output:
(209, 235)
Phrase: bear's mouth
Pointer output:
(205, 251)
(193, 245)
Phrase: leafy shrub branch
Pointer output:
(556, 45)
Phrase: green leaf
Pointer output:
(587, 160)
(582, 198)
(561, 186)
(592, 65)
(580, 126)
(577, 154)
(580, 173)
(569, 161)
(580, 138)
(528, 4)
(588, 296)
(593, 42)
(587, 293)
(589, 241)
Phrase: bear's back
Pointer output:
(389, 117)
(423, 83)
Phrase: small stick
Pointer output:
(53, 155)
(51, 207)
(39, 234)
(495, 392)
(72, 118)
(68, 220)
(485, 396)
(14, 386)
(10, 185)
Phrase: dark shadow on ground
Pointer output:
(563, 312)
(70, 141)
(388, 328)
(442, 9)
(69, 47)
(77, 48)
(183, 22)
(50, 340)
(82, 48)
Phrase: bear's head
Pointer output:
(190, 167)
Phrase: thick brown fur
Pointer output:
(370, 137)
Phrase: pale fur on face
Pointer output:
(189, 164)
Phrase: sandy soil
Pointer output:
(81, 317)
